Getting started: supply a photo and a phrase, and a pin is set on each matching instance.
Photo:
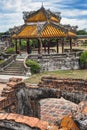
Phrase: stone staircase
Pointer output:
(16, 69)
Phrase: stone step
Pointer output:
(13, 71)
(16, 68)
(15, 74)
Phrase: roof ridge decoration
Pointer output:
(18, 31)
(41, 28)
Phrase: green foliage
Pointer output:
(10, 51)
(81, 32)
(83, 57)
(23, 44)
(35, 67)
(1, 61)
(1, 33)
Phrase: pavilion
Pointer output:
(44, 24)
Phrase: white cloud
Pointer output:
(80, 23)
(12, 12)
(73, 12)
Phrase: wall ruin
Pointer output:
(24, 99)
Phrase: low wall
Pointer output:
(51, 62)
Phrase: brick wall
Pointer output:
(72, 89)
(8, 99)
(22, 99)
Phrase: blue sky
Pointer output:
(73, 12)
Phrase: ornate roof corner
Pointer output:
(71, 28)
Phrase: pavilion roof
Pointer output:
(71, 34)
(45, 24)
(46, 30)
(42, 15)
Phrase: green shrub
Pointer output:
(83, 57)
(1, 61)
(10, 51)
(35, 67)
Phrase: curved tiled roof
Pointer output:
(71, 34)
(51, 31)
(41, 15)
(28, 32)
(45, 24)
(45, 30)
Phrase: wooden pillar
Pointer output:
(62, 45)
(28, 46)
(57, 46)
(44, 47)
(40, 46)
(49, 47)
(19, 45)
(70, 44)
(16, 49)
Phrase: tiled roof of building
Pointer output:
(41, 15)
(45, 24)
(28, 32)
(51, 31)
(46, 30)
(71, 34)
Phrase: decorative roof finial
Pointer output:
(42, 4)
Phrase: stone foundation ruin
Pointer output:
(20, 102)
(51, 62)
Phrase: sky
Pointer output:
(73, 12)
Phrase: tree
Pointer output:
(81, 32)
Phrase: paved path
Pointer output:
(5, 78)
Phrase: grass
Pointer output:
(75, 74)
